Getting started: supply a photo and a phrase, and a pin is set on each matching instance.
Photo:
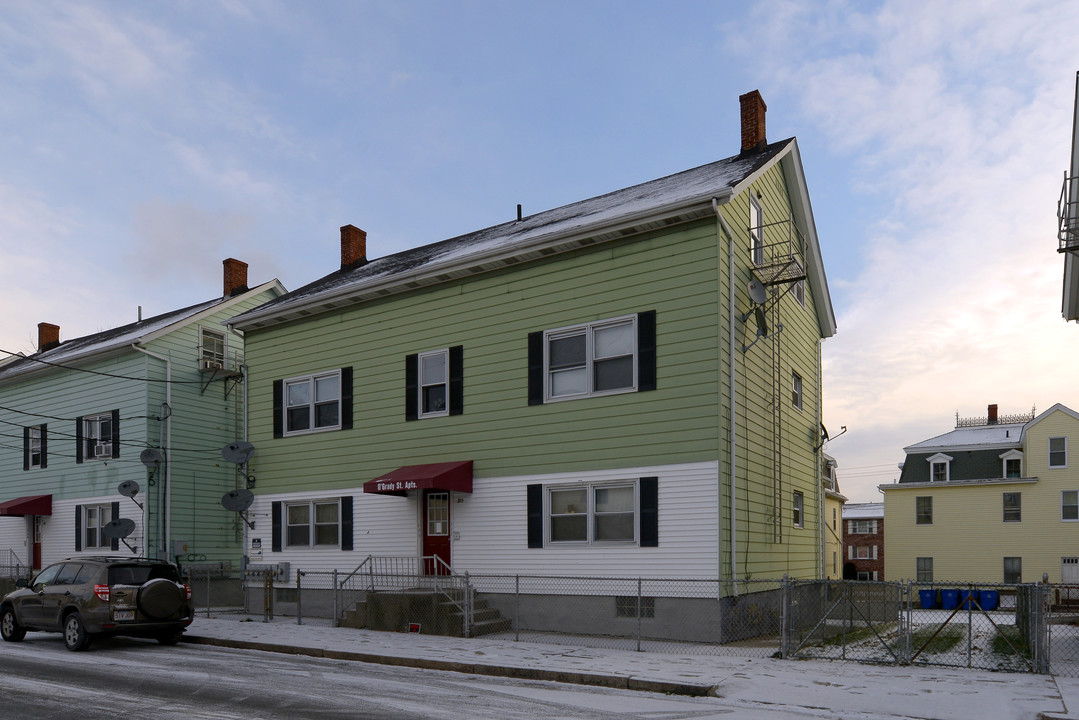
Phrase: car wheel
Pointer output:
(161, 599)
(170, 638)
(75, 636)
(10, 628)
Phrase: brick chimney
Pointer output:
(235, 277)
(753, 109)
(353, 247)
(992, 415)
(48, 336)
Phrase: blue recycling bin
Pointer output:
(965, 600)
(927, 598)
(989, 599)
(949, 599)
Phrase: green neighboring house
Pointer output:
(147, 405)
(625, 386)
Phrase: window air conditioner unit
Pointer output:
(102, 450)
(211, 364)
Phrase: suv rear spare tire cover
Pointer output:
(161, 598)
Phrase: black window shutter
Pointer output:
(535, 515)
(457, 380)
(649, 491)
(275, 515)
(78, 528)
(115, 436)
(26, 448)
(535, 368)
(346, 522)
(44, 446)
(278, 407)
(646, 350)
(346, 398)
(412, 383)
(78, 439)
(115, 516)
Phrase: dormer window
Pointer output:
(1012, 464)
(940, 468)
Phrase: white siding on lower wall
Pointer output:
(58, 537)
(489, 529)
(13, 534)
(492, 523)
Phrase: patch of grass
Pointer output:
(856, 635)
(946, 639)
(1010, 634)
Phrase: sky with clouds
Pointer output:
(146, 142)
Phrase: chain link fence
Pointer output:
(1013, 628)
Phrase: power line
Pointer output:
(98, 372)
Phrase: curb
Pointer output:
(575, 678)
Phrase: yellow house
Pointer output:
(994, 500)
(832, 527)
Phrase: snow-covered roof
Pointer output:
(981, 436)
(682, 196)
(863, 511)
(119, 337)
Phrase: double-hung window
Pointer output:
(211, 349)
(312, 403)
(1058, 452)
(796, 390)
(313, 524)
(756, 230)
(35, 447)
(1069, 505)
(797, 502)
(923, 510)
(98, 436)
(1013, 507)
(940, 467)
(96, 517)
(434, 383)
(1013, 570)
(593, 513)
(862, 527)
(616, 355)
(924, 569)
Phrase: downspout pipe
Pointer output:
(733, 405)
(164, 517)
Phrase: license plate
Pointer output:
(119, 615)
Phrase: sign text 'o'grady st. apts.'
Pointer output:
(398, 485)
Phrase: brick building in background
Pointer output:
(863, 541)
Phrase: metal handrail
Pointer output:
(1068, 215)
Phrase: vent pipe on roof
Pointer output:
(48, 336)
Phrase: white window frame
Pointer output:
(797, 397)
(421, 384)
(921, 572)
(208, 351)
(96, 527)
(799, 292)
(756, 231)
(591, 513)
(1065, 451)
(92, 436)
(589, 331)
(312, 523)
(862, 527)
(940, 459)
(866, 549)
(312, 404)
(35, 447)
(1008, 457)
(1064, 503)
(798, 509)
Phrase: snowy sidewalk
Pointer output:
(808, 686)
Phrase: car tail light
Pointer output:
(188, 589)
(102, 592)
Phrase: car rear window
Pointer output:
(139, 574)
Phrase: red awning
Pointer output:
(29, 505)
(454, 476)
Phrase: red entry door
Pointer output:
(436, 531)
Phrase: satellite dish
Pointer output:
(238, 452)
(237, 500)
(151, 457)
(128, 488)
(119, 528)
(757, 292)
